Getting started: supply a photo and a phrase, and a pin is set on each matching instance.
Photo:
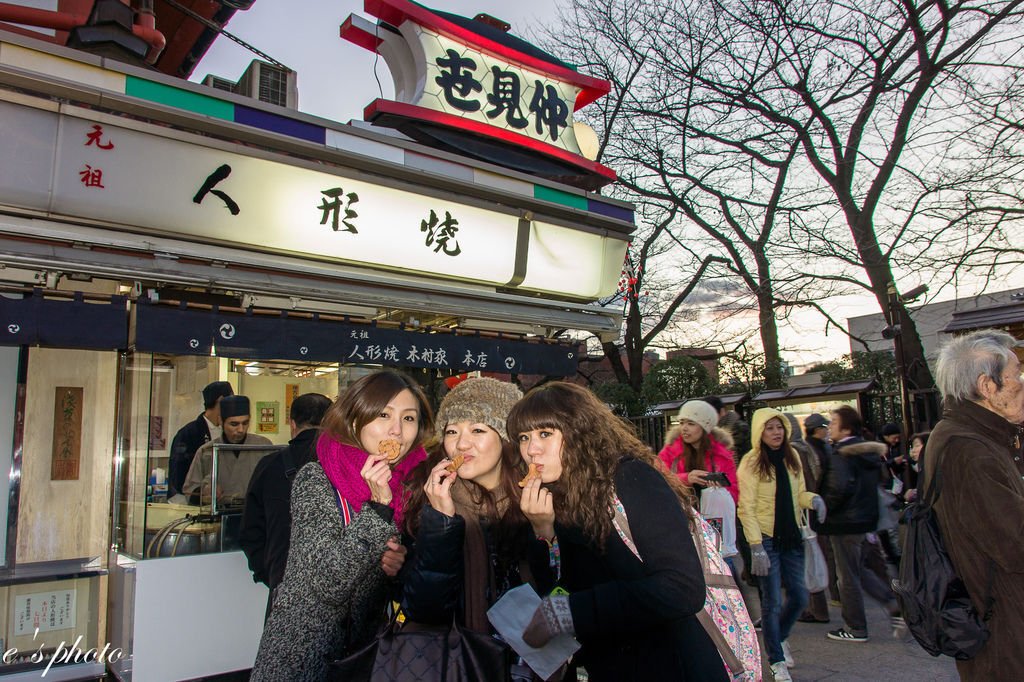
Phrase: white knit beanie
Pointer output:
(701, 413)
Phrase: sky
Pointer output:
(337, 79)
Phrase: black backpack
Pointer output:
(938, 611)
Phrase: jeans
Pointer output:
(777, 619)
(855, 578)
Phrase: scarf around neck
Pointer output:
(479, 580)
(342, 463)
(786, 534)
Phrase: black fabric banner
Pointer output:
(60, 323)
(164, 329)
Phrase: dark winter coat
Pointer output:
(184, 446)
(636, 619)
(823, 450)
(740, 431)
(267, 518)
(850, 487)
(432, 579)
(334, 591)
(981, 515)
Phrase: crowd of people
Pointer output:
(380, 512)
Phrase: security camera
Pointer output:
(891, 332)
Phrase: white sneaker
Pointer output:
(780, 672)
(788, 653)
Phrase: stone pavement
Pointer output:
(880, 658)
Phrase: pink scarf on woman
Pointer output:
(342, 464)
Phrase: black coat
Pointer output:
(824, 451)
(267, 518)
(637, 619)
(434, 570)
(186, 443)
(850, 488)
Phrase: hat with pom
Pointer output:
(480, 400)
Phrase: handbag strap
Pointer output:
(621, 523)
(344, 509)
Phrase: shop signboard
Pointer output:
(171, 183)
(470, 77)
(169, 329)
(67, 433)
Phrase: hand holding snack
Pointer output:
(377, 473)
(454, 463)
(531, 474)
(538, 507)
(390, 450)
(439, 487)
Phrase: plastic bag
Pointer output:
(815, 567)
(719, 509)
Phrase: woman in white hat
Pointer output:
(696, 447)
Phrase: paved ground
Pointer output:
(881, 658)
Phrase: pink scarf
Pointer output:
(342, 464)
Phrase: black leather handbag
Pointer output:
(421, 653)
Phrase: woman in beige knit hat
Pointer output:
(468, 540)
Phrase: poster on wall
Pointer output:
(291, 392)
(67, 433)
(267, 416)
(44, 610)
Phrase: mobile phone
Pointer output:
(718, 478)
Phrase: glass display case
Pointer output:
(160, 394)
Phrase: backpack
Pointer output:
(724, 616)
(934, 600)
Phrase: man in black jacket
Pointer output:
(850, 490)
(193, 435)
(267, 519)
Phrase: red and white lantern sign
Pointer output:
(465, 76)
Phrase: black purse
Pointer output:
(422, 653)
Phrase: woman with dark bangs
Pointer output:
(621, 525)
(347, 510)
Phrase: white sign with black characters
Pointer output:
(153, 181)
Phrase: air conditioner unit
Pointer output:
(262, 81)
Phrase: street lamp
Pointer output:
(894, 331)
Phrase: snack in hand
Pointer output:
(530, 474)
(455, 463)
(389, 449)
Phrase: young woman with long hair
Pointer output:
(466, 534)
(772, 493)
(347, 508)
(621, 523)
(696, 447)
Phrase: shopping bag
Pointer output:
(719, 509)
(815, 566)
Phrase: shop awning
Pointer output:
(77, 249)
(63, 323)
(189, 331)
(817, 391)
